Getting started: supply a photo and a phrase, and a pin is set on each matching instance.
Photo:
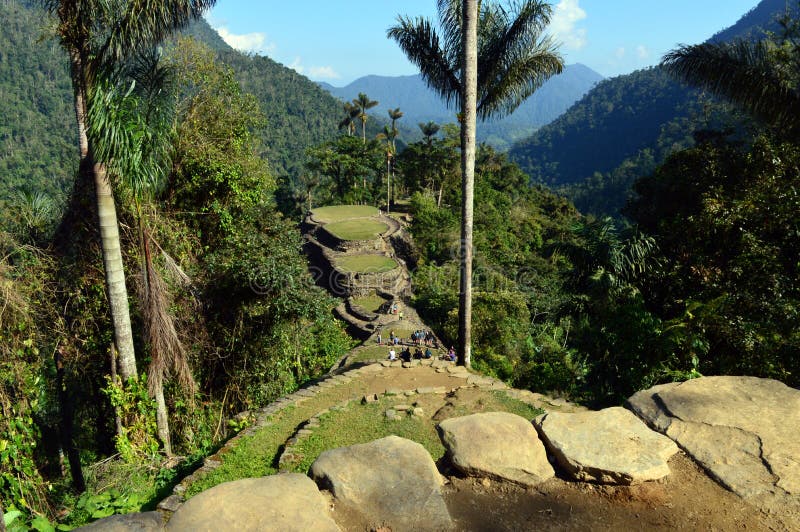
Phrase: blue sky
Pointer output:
(340, 40)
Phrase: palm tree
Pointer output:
(758, 76)
(362, 103)
(131, 120)
(99, 37)
(395, 115)
(428, 131)
(389, 134)
(512, 58)
(348, 122)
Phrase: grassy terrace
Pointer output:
(358, 229)
(363, 423)
(337, 213)
(370, 303)
(257, 455)
(366, 263)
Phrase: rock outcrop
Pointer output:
(285, 502)
(742, 430)
(498, 445)
(610, 446)
(390, 482)
(137, 522)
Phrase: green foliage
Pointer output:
(725, 216)
(138, 439)
(37, 133)
(349, 171)
(108, 503)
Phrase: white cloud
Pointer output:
(313, 72)
(247, 42)
(323, 72)
(566, 14)
(642, 52)
(297, 65)
(620, 53)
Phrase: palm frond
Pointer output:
(742, 72)
(517, 77)
(421, 44)
(145, 23)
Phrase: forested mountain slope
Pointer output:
(421, 104)
(38, 140)
(37, 134)
(625, 126)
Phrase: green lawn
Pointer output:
(336, 213)
(371, 303)
(362, 423)
(358, 229)
(366, 263)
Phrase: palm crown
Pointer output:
(514, 56)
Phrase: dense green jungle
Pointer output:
(698, 275)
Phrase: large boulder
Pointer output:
(137, 522)
(611, 446)
(286, 502)
(496, 444)
(390, 482)
(742, 430)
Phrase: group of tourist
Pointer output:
(421, 337)
(406, 355)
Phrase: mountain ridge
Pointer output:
(421, 104)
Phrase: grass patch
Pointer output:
(359, 229)
(371, 303)
(366, 263)
(364, 423)
(336, 213)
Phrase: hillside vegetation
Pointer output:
(626, 126)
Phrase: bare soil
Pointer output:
(686, 500)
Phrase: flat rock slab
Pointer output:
(498, 445)
(611, 446)
(138, 522)
(285, 502)
(390, 482)
(742, 430)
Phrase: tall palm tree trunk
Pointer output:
(115, 273)
(469, 114)
(109, 229)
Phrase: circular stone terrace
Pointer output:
(338, 213)
(368, 263)
(356, 229)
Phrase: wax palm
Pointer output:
(752, 75)
(514, 56)
(389, 134)
(362, 103)
(428, 131)
(131, 115)
(350, 114)
(395, 115)
(99, 36)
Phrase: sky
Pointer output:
(338, 41)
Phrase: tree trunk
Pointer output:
(109, 230)
(468, 108)
(115, 273)
(162, 421)
(388, 182)
(65, 428)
